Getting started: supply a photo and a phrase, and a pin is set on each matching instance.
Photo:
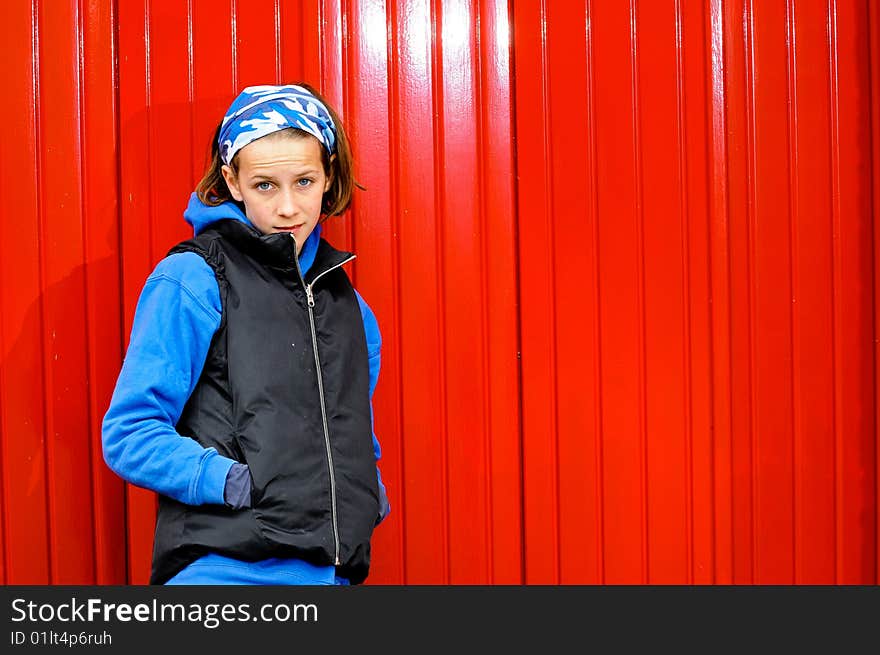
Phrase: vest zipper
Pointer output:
(311, 303)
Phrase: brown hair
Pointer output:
(212, 189)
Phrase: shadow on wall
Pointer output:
(64, 510)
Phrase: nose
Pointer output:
(286, 203)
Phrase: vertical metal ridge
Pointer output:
(276, 9)
(394, 204)
(4, 491)
(148, 93)
(5, 531)
(836, 284)
(348, 83)
(751, 232)
(190, 85)
(518, 291)
(435, 61)
(105, 522)
(344, 83)
(597, 290)
(720, 345)
(4, 495)
(233, 35)
(120, 268)
(640, 299)
(483, 152)
(301, 21)
(80, 84)
(683, 209)
(4, 432)
(328, 12)
(41, 256)
(709, 46)
(549, 212)
(117, 127)
(874, 80)
(321, 12)
(796, 430)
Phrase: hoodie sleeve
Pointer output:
(177, 314)
(374, 352)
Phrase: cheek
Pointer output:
(254, 208)
(256, 203)
(315, 201)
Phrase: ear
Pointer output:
(232, 182)
(329, 181)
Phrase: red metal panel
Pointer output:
(769, 311)
(537, 288)
(741, 365)
(727, 349)
(294, 42)
(577, 336)
(812, 293)
(776, 304)
(621, 293)
(424, 95)
(497, 205)
(874, 27)
(332, 56)
(366, 99)
(211, 77)
(170, 124)
(462, 283)
(25, 496)
(767, 463)
(136, 234)
(63, 297)
(853, 331)
(685, 268)
(661, 161)
(424, 404)
(722, 189)
(101, 242)
(257, 32)
(375, 221)
(693, 65)
(50, 353)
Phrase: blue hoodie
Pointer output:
(177, 314)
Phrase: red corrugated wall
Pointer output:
(622, 255)
(695, 189)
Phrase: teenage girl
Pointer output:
(245, 397)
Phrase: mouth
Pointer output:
(290, 228)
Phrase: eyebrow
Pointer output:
(272, 178)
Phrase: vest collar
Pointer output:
(278, 250)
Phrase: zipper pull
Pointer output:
(309, 295)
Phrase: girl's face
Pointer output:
(281, 182)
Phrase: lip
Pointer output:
(292, 228)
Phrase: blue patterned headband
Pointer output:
(262, 110)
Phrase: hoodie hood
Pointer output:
(200, 216)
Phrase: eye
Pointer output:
(304, 182)
(263, 186)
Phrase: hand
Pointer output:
(237, 493)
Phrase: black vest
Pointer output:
(304, 431)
